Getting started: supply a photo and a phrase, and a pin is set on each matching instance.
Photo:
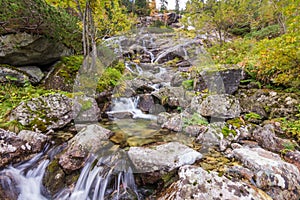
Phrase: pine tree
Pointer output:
(164, 4)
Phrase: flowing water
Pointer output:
(103, 177)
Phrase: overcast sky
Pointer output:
(171, 4)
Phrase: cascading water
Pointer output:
(25, 180)
(128, 105)
(110, 177)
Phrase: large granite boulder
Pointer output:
(196, 183)
(220, 106)
(9, 74)
(221, 81)
(22, 49)
(45, 112)
(89, 140)
(279, 179)
(15, 148)
(173, 96)
(165, 157)
(55, 111)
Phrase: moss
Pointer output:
(110, 77)
(188, 84)
(53, 166)
(236, 122)
(252, 116)
(196, 119)
(226, 131)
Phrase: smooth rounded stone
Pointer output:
(196, 183)
(266, 138)
(23, 49)
(44, 113)
(91, 139)
(275, 176)
(165, 157)
(220, 106)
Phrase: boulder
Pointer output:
(46, 112)
(196, 183)
(164, 157)
(266, 138)
(89, 140)
(221, 81)
(85, 110)
(23, 49)
(146, 102)
(16, 148)
(220, 106)
(174, 123)
(9, 74)
(279, 179)
(173, 96)
(35, 73)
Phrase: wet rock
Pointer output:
(196, 183)
(265, 136)
(23, 49)
(91, 139)
(36, 140)
(279, 179)
(163, 157)
(220, 106)
(146, 102)
(14, 148)
(46, 112)
(120, 115)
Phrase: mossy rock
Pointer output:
(64, 74)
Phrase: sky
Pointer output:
(171, 4)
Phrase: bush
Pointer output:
(267, 32)
(277, 61)
(37, 17)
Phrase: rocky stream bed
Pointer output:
(175, 127)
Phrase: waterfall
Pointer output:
(107, 176)
(25, 180)
(98, 180)
(123, 105)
